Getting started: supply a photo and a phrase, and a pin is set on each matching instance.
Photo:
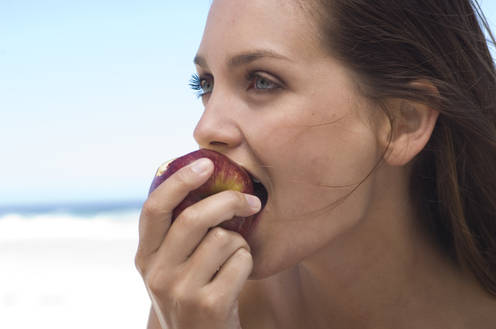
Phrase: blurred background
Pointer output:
(93, 97)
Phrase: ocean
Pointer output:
(71, 266)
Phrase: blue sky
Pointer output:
(94, 95)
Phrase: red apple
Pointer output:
(227, 175)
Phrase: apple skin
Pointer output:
(227, 175)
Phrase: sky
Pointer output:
(94, 95)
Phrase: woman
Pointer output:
(372, 126)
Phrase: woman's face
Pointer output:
(277, 103)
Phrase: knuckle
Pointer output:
(158, 280)
(189, 216)
(212, 305)
(154, 282)
(151, 207)
(235, 198)
(244, 255)
(223, 237)
(181, 299)
(219, 234)
(172, 291)
(176, 295)
(139, 263)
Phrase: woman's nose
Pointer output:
(218, 127)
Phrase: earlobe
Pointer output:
(412, 127)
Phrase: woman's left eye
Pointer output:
(259, 82)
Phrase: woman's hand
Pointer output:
(193, 270)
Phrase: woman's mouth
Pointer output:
(259, 190)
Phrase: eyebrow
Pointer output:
(244, 58)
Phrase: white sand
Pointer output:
(59, 272)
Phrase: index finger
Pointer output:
(155, 218)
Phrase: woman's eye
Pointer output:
(202, 85)
(261, 83)
(206, 86)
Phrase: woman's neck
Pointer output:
(385, 273)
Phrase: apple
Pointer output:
(227, 175)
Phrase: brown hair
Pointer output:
(389, 44)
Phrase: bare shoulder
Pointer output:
(254, 310)
(483, 313)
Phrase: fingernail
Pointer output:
(253, 201)
(201, 165)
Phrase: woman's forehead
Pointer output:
(239, 26)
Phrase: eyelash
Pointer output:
(196, 82)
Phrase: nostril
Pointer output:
(215, 143)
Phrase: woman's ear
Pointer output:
(412, 126)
